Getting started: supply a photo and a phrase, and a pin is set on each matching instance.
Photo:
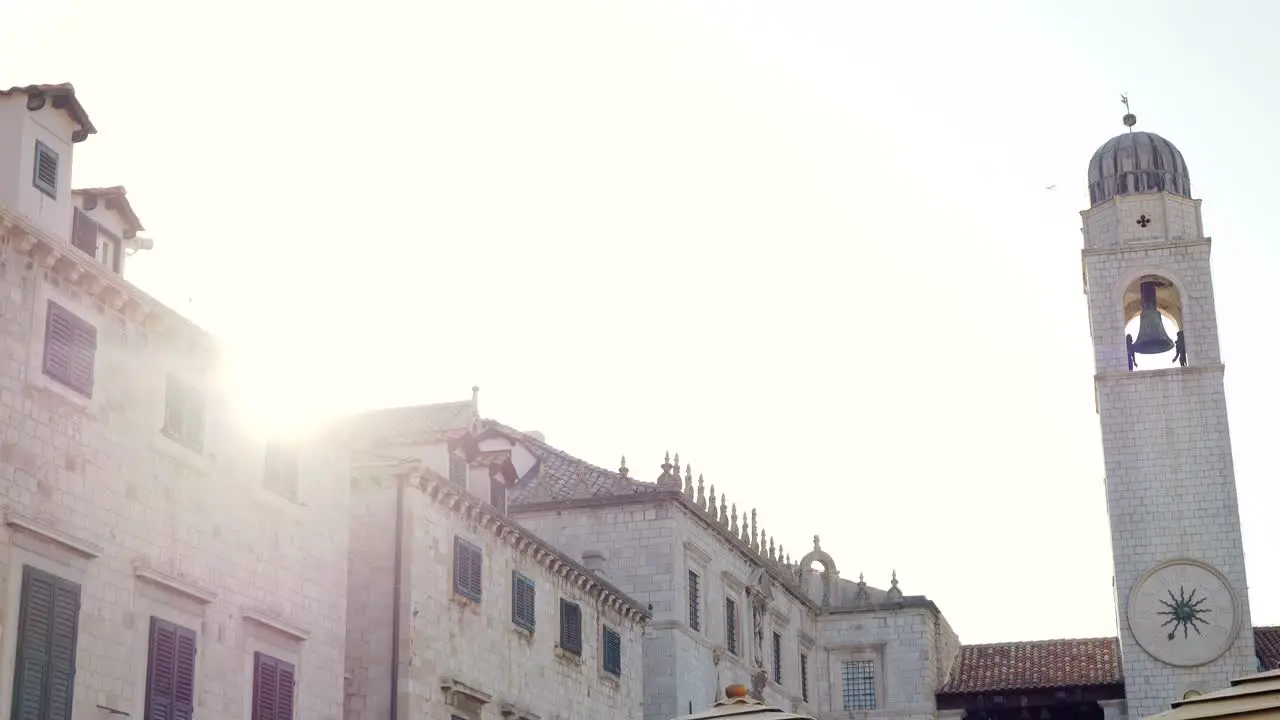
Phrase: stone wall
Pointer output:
(467, 658)
(910, 647)
(651, 545)
(95, 492)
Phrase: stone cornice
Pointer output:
(273, 623)
(464, 505)
(145, 572)
(1216, 368)
(1140, 246)
(56, 255)
(778, 572)
(49, 533)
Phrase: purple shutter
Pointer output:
(265, 683)
(273, 686)
(84, 234)
(284, 690)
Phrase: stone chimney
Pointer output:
(594, 560)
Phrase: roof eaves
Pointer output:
(63, 96)
(437, 486)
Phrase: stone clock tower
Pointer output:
(1180, 590)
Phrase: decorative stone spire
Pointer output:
(724, 514)
(894, 593)
(665, 477)
(862, 595)
(773, 551)
(688, 481)
(733, 525)
(763, 548)
(702, 496)
(782, 557)
(817, 544)
(754, 540)
(622, 469)
(711, 502)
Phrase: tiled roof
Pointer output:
(1267, 643)
(1060, 663)
(412, 424)
(56, 92)
(1038, 664)
(560, 476)
(117, 199)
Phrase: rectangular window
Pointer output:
(777, 658)
(280, 470)
(804, 677)
(84, 233)
(695, 602)
(273, 686)
(570, 627)
(457, 470)
(184, 414)
(171, 671)
(48, 626)
(45, 173)
(612, 651)
(70, 347)
(731, 625)
(498, 494)
(523, 596)
(859, 680)
(468, 564)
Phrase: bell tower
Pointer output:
(1181, 597)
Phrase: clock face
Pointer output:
(1183, 613)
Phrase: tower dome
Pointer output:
(1137, 162)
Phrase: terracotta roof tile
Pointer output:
(560, 476)
(1038, 664)
(1060, 663)
(1267, 644)
(411, 424)
(60, 93)
(117, 200)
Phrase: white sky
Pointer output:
(806, 245)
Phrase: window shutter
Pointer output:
(498, 494)
(477, 565)
(70, 345)
(59, 342)
(45, 172)
(172, 406)
(468, 563)
(47, 630)
(612, 651)
(84, 233)
(164, 652)
(523, 592)
(267, 701)
(284, 690)
(86, 348)
(33, 645)
(570, 627)
(184, 676)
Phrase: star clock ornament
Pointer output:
(1184, 613)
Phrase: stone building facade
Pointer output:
(156, 560)
(457, 611)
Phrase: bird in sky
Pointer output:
(1050, 187)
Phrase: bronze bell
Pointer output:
(1152, 339)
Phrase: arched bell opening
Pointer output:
(1153, 324)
